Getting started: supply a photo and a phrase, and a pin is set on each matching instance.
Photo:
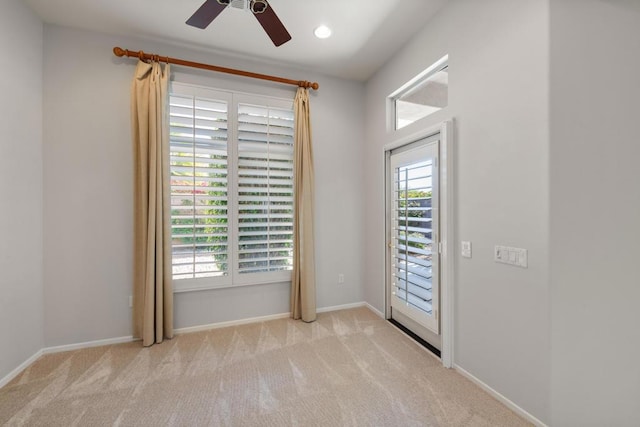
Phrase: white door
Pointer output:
(413, 232)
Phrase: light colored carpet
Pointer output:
(349, 368)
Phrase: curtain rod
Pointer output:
(152, 57)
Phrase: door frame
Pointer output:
(447, 230)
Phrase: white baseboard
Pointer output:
(88, 344)
(502, 399)
(218, 325)
(375, 310)
(250, 320)
(340, 307)
(11, 375)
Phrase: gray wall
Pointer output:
(564, 332)
(498, 74)
(595, 212)
(88, 191)
(20, 185)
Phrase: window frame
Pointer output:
(233, 278)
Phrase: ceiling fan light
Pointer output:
(322, 32)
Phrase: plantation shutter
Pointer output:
(199, 187)
(414, 232)
(412, 235)
(265, 189)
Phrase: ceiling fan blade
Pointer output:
(206, 14)
(273, 26)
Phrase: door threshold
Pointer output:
(415, 337)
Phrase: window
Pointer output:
(231, 160)
(265, 189)
(423, 95)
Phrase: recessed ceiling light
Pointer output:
(322, 32)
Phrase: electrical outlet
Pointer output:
(340, 278)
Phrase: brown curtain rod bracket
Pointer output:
(152, 57)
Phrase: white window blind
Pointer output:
(265, 189)
(413, 225)
(412, 237)
(199, 187)
(231, 188)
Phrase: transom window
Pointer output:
(422, 96)
(231, 160)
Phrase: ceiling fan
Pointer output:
(261, 9)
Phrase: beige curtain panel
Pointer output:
(153, 293)
(303, 284)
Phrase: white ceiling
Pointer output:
(366, 33)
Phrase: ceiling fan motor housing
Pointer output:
(240, 4)
(254, 6)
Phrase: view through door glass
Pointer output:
(414, 234)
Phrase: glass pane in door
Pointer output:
(414, 256)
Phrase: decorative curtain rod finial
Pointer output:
(308, 85)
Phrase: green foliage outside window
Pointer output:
(414, 199)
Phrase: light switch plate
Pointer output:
(511, 256)
(466, 249)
